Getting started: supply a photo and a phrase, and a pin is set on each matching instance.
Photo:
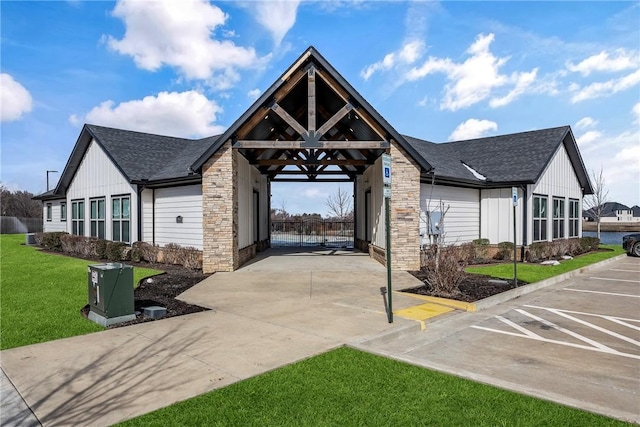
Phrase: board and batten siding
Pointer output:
(374, 219)
(558, 180)
(169, 203)
(147, 215)
(462, 220)
(95, 177)
(56, 223)
(250, 181)
(496, 215)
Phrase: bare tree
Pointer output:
(340, 204)
(595, 202)
(19, 204)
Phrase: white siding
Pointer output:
(250, 180)
(371, 179)
(56, 223)
(496, 214)
(147, 215)
(462, 219)
(185, 201)
(97, 176)
(558, 180)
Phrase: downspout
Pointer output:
(153, 216)
(525, 209)
(140, 189)
(355, 211)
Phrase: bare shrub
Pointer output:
(171, 254)
(444, 269)
(149, 252)
(191, 258)
(51, 240)
(115, 251)
(505, 251)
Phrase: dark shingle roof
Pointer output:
(518, 157)
(144, 156)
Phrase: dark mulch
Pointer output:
(473, 288)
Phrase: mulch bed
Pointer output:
(473, 288)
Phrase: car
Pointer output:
(631, 244)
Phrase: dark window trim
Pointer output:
(49, 207)
(63, 218)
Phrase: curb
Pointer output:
(518, 292)
(387, 336)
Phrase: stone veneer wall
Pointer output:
(405, 210)
(220, 211)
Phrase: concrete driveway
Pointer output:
(577, 342)
(274, 312)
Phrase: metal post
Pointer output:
(388, 241)
(48, 172)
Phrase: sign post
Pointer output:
(514, 196)
(386, 180)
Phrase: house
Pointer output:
(312, 125)
(614, 212)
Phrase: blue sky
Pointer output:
(435, 70)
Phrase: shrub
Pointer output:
(589, 244)
(136, 252)
(38, 237)
(51, 240)
(101, 249)
(481, 242)
(115, 251)
(444, 268)
(505, 251)
(191, 258)
(171, 254)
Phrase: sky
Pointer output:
(439, 71)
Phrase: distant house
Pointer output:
(614, 212)
(311, 124)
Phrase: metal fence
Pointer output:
(312, 232)
(14, 225)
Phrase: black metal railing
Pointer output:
(311, 232)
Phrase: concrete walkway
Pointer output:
(273, 312)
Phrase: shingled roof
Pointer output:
(139, 156)
(518, 158)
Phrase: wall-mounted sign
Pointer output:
(514, 195)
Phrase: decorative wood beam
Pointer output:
(335, 119)
(290, 83)
(316, 172)
(314, 180)
(293, 162)
(252, 123)
(311, 100)
(321, 145)
(288, 119)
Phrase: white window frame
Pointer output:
(77, 217)
(120, 220)
(574, 217)
(63, 211)
(559, 215)
(97, 218)
(49, 208)
(540, 218)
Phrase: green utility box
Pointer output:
(111, 293)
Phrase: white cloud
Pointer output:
(473, 128)
(476, 78)
(182, 114)
(15, 100)
(619, 60)
(589, 138)
(254, 93)
(179, 34)
(636, 112)
(600, 89)
(277, 16)
(409, 53)
(585, 123)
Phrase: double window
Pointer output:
(539, 218)
(49, 212)
(77, 217)
(574, 217)
(121, 219)
(558, 218)
(97, 217)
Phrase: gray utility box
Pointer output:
(111, 293)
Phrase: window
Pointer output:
(49, 213)
(77, 217)
(574, 217)
(97, 218)
(539, 218)
(63, 211)
(121, 219)
(558, 218)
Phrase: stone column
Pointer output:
(405, 210)
(220, 211)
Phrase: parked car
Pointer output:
(631, 244)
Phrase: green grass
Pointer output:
(535, 272)
(41, 294)
(346, 387)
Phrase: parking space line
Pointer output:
(615, 280)
(604, 316)
(625, 271)
(568, 344)
(590, 325)
(620, 322)
(518, 327)
(604, 293)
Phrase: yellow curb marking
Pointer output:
(422, 312)
(458, 305)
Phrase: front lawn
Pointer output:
(346, 387)
(41, 294)
(535, 272)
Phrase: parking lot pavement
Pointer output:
(576, 343)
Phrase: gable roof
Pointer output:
(139, 156)
(311, 55)
(518, 158)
